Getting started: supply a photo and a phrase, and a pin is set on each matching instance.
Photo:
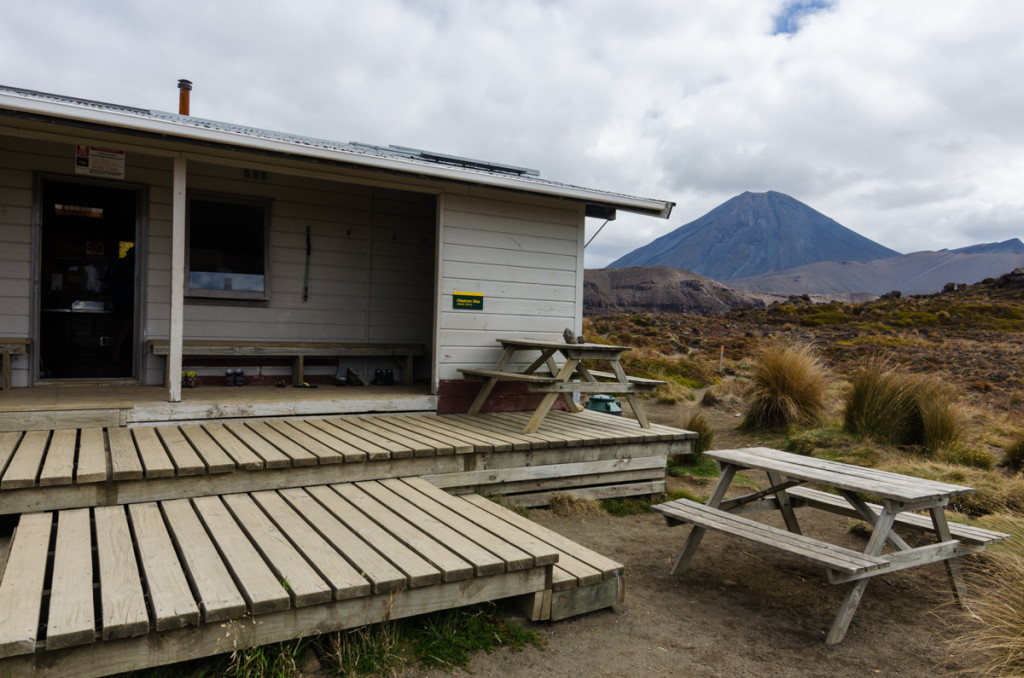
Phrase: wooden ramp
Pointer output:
(590, 454)
(95, 591)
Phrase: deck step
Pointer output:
(832, 557)
(968, 534)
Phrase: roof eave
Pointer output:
(139, 123)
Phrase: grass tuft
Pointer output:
(698, 423)
(1013, 456)
(789, 387)
(569, 506)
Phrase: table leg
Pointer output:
(696, 532)
(870, 516)
(879, 536)
(485, 391)
(634, 402)
(956, 575)
(481, 397)
(566, 397)
(785, 505)
(549, 398)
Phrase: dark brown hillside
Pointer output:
(660, 289)
(973, 337)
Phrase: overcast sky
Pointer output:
(901, 119)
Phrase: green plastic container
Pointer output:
(604, 403)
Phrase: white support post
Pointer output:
(177, 281)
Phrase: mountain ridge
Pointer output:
(755, 234)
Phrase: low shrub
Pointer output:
(903, 409)
(698, 423)
(789, 387)
(1013, 456)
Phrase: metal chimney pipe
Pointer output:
(184, 87)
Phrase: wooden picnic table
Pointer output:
(901, 497)
(562, 381)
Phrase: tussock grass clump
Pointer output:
(789, 387)
(904, 409)
(1013, 456)
(992, 644)
(569, 506)
(698, 423)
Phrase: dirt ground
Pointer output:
(740, 610)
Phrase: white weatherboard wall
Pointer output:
(371, 268)
(526, 258)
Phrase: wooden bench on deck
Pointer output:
(297, 350)
(11, 346)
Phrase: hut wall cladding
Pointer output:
(526, 260)
(371, 268)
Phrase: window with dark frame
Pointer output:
(227, 246)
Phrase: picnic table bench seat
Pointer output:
(830, 556)
(968, 534)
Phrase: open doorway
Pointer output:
(87, 281)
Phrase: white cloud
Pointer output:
(899, 120)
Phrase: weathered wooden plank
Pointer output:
(154, 457)
(424, 443)
(71, 616)
(600, 492)
(452, 566)
(59, 464)
(215, 458)
(541, 552)
(262, 590)
(271, 456)
(569, 603)
(416, 568)
(170, 599)
(298, 456)
(382, 574)
(502, 545)
(21, 591)
(219, 598)
(244, 458)
(374, 452)
(812, 550)
(398, 445)
(438, 426)
(26, 462)
(191, 643)
(293, 572)
(349, 453)
(480, 426)
(92, 457)
(344, 580)
(532, 477)
(186, 461)
(8, 443)
(323, 453)
(566, 547)
(484, 561)
(122, 602)
(124, 458)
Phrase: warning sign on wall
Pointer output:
(99, 162)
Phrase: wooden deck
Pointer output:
(127, 587)
(144, 545)
(106, 404)
(591, 454)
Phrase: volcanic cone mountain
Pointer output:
(754, 234)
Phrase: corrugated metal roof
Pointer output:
(399, 159)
